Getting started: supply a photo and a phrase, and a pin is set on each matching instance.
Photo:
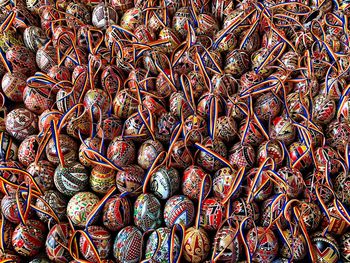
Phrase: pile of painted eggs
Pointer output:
(175, 131)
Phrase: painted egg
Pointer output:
(28, 239)
(56, 201)
(181, 156)
(323, 110)
(179, 105)
(263, 243)
(131, 179)
(100, 238)
(162, 238)
(272, 149)
(336, 225)
(20, 123)
(8, 148)
(282, 129)
(38, 99)
(46, 58)
(164, 182)
(240, 209)
(80, 206)
(345, 247)
(77, 13)
(93, 143)
(342, 187)
(128, 245)
(165, 126)
(237, 63)
(124, 104)
(271, 210)
(212, 214)
(262, 188)
(222, 181)
(179, 209)
(300, 156)
(196, 245)
(267, 106)
(7, 234)
(43, 174)
(34, 38)
(226, 129)
(22, 60)
(104, 15)
(251, 133)
(242, 155)
(147, 212)
(102, 179)
(298, 246)
(71, 179)
(148, 152)
(207, 160)
(27, 150)
(135, 128)
(68, 148)
(116, 213)
(327, 154)
(132, 18)
(338, 135)
(57, 242)
(11, 175)
(191, 182)
(9, 208)
(13, 85)
(110, 128)
(45, 120)
(195, 128)
(311, 215)
(97, 98)
(293, 179)
(121, 151)
(325, 248)
(227, 245)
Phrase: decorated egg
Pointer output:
(131, 179)
(180, 19)
(20, 123)
(8, 148)
(92, 142)
(338, 135)
(27, 150)
(262, 188)
(163, 238)
(335, 225)
(342, 187)
(28, 239)
(207, 160)
(45, 120)
(311, 215)
(325, 248)
(11, 175)
(43, 174)
(59, 73)
(282, 129)
(165, 126)
(212, 213)
(181, 156)
(196, 245)
(293, 179)
(110, 128)
(239, 209)
(52, 200)
(267, 106)
(191, 182)
(121, 151)
(251, 132)
(327, 154)
(127, 245)
(132, 18)
(179, 105)
(97, 97)
(195, 128)
(164, 182)
(298, 248)
(68, 148)
(179, 209)
(116, 213)
(102, 179)
(300, 155)
(323, 110)
(237, 62)
(226, 245)
(104, 15)
(272, 149)
(148, 152)
(13, 85)
(242, 155)
(71, 178)
(77, 13)
(57, 243)
(263, 244)
(100, 238)
(34, 38)
(9, 208)
(345, 246)
(124, 104)
(21, 59)
(46, 58)
(226, 129)
(147, 212)
(8, 229)
(80, 206)
(223, 181)
(38, 99)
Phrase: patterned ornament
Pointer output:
(181, 156)
(46, 58)
(104, 15)
(298, 246)
(325, 248)
(80, 206)
(121, 151)
(191, 182)
(110, 128)
(300, 156)
(327, 154)
(242, 155)
(116, 213)
(158, 245)
(57, 203)
(97, 98)
(180, 19)
(311, 215)
(195, 128)
(238, 209)
(227, 245)
(127, 245)
(20, 123)
(345, 247)
(342, 187)
(293, 179)
(179, 105)
(56, 243)
(68, 148)
(251, 132)
(34, 38)
(147, 212)
(262, 188)
(22, 60)
(212, 214)
(100, 238)
(164, 182)
(338, 135)
(43, 174)
(124, 104)
(28, 239)
(267, 106)
(207, 160)
(38, 99)
(270, 149)
(263, 244)
(77, 14)
(335, 225)
(7, 234)
(71, 179)
(102, 179)
(8, 147)
(131, 179)
(179, 209)
(323, 110)
(222, 182)
(148, 152)
(237, 63)
(9, 208)
(196, 245)
(282, 129)
(165, 127)
(226, 129)
(131, 19)
(91, 142)
(13, 176)
(45, 120)
(13, 85)
(28, 149)
(204, 104)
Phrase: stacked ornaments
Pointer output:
(175, 131)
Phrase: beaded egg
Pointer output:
(104, 15)
(345, 246)
(263, 244)
(116, 213)
(71, 178)
(20, 123)
(227, 245)
(338, 135)
(148, 152)
(80, 206)
(212, 214)
(300, 156)
(207, 160)
(100, 238)
(196, 245)
(222, 181)
(68, 148)
(323, 110)
(242, 155)
(310, 213)
(8, 148)
(298, 246)
(28, 239)
(27, 150)
(164, 182)
(293, 179)
(325, 248)
(282, 129)
(13, 85)
(191, 182)
(57, 242)
(121, 151)
(91, 142)
(158, 245)
(195, 128)
(179, 209)
(102, 179)
(238, 209)
(43, 174)
(22, 60)
(127, 245)
(147, 212)
(57, 203)
(130, 179)
(181, 156)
